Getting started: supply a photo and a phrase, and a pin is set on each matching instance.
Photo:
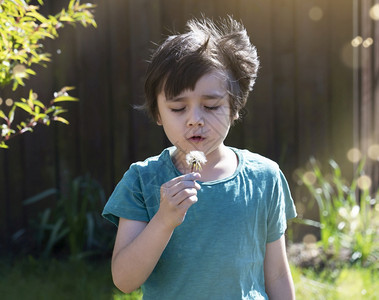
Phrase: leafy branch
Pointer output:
(40, 114)
(22, 29)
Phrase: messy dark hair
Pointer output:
(181, 60)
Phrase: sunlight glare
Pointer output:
(309, 238)
(374, 12)
(355, 42)
(315, 13)
(364, 182)
(9, 102)
(373, 152)
(367, 42)
(354, 155)
(19, 70)
(309, 178)
(355, 211)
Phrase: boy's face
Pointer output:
(198, 119)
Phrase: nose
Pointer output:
(195, 118)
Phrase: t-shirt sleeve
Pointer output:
(126, 200)
(281, 209)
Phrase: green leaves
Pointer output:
(65, 98)
(22, 28)
(22, 31)
(38, 112)
(347, 211)
(74, 222)
(2, 115)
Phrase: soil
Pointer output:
(306, 255)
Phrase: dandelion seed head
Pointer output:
(195, 159)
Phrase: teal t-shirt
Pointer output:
(219, 249)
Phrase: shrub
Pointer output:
(347, 210)
(74, 225)
(22, 28)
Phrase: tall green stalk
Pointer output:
(347, 212)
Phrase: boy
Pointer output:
(217, 233)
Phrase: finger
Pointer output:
(180, 191)
(184, 194)
(181, 186)
(170, 189)
(187, 203)
(187, 177)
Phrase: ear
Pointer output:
(236, 116)
(159, 122)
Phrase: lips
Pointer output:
(196, 138)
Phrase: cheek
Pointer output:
(221, 116)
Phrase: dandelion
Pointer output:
(195, 159)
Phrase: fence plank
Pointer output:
(144, 15)
(120, 85)
(341, 81)
(284, 73)
(258, 123)
(312, 80)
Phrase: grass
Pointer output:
(59, 280)
(28, 278)
(349, 282)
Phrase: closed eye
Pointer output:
(212, 107)
(177, 109)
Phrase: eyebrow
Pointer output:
(209, 96)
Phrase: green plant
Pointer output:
(36, 279)
(22, 28)
(348, 282)
(75, 222)
(348, 214)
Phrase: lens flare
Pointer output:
(9, 102)
(373, 152)
(364, 182)
(374, 12)
(309, 238)
(354, 155)
(367, 42)
(19, 70)
(309, 178)
(355, 42)
(315, 13)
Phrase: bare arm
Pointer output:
(278, 279)
(139, 245)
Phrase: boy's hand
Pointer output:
(177, 196)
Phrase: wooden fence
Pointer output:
(311, 96)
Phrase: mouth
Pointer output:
(196, 139)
